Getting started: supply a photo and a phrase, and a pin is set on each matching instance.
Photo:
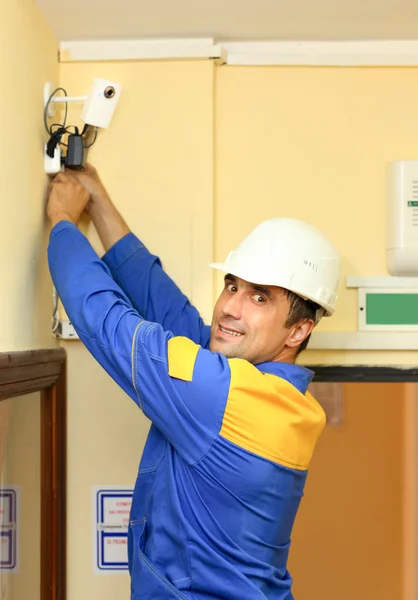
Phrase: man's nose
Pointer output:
(233, 306)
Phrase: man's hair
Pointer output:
(300, 310)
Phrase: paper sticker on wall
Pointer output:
(9, 528)
(112, 506)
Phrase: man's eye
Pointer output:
(231, 287)
(259, 298)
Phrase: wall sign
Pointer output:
(112, 506)
(9, 528)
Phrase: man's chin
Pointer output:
(227, 349)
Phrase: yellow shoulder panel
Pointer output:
(268, 416)
(182, 354)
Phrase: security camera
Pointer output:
(98, 108)
(101, 103)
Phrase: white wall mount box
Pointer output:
(402, 218)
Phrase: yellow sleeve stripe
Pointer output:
(182, 354)
(266, 415)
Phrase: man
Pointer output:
(233, 427)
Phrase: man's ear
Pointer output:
(299, 332)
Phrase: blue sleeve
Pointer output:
(181, 387)
(152, 292)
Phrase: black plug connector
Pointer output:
(75, 151)
(54, 141)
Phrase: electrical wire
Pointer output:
(49, 129)
(94, 139)
(67, 130)
(62, 129)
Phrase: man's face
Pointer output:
(249, 322)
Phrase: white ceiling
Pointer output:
(232, 20)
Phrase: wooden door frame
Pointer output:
(44, 371)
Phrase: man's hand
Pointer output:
(67, 199)
(91, 182)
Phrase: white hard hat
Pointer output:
(292, 255)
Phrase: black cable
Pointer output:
(67, 131)
(62, 129)
(54, 141)
(49, 129)
(56, 137)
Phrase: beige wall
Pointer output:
(28, 58)
(313, 144)
(106, 435)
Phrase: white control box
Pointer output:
(402, 218)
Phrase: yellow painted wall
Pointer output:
(348, 537)
(157, 161)
(28, 58)
(313, 144)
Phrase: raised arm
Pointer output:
(168, 377)
(138, 272)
